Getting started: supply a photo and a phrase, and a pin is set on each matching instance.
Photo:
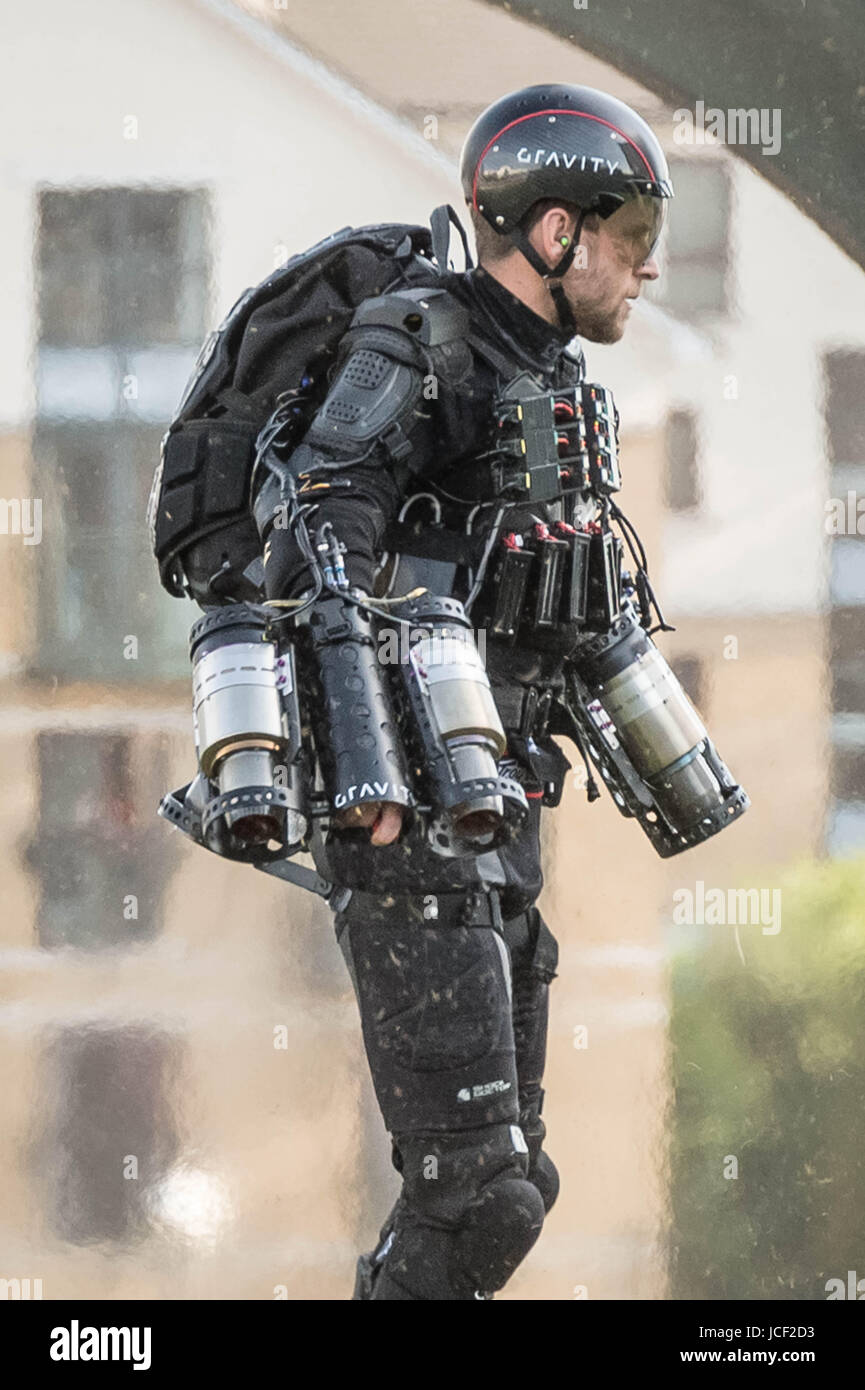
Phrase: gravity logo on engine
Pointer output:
(489, 1088)
(369, 791)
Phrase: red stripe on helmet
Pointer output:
(533, 115)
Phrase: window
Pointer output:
(98, 585)
(122, 266)
(845, 409)
(122, 309)
(847, 659)
(694, 250)
(681, 476)
(99, 854)
(844, 374)
(106, 1103)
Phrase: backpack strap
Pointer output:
(441, 220)
(504, 365)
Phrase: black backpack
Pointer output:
(275, 346)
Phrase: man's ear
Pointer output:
(547, 232)
(573, 220)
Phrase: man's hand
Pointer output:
(385, 817)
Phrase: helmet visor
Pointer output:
(637, 225)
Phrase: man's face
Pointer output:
(618, 259)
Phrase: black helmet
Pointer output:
(559, 141)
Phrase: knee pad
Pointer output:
(471, 1215)
(501, 1228)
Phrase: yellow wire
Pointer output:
(376, 602)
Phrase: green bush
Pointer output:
(768, 1063)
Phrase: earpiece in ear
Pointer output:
(564, 241)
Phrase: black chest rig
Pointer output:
(519, 531)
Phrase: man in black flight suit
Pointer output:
(566, 189)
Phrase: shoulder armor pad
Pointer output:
(428, 316)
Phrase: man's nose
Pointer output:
(649, 270)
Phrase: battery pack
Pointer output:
(552, 556)
(510, 583)
(604, 586)
(575, 589)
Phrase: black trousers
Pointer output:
(454, 1018)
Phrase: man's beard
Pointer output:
(598, 326)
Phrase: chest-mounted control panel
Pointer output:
(557, 442)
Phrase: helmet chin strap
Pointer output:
(519, 236)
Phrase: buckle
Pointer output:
(474, 900)
(469, 907)
(395, 441)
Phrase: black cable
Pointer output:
(592, 789)
(628, 529)
(642, 564)
(477, 579)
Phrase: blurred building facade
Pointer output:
(186, 1107)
